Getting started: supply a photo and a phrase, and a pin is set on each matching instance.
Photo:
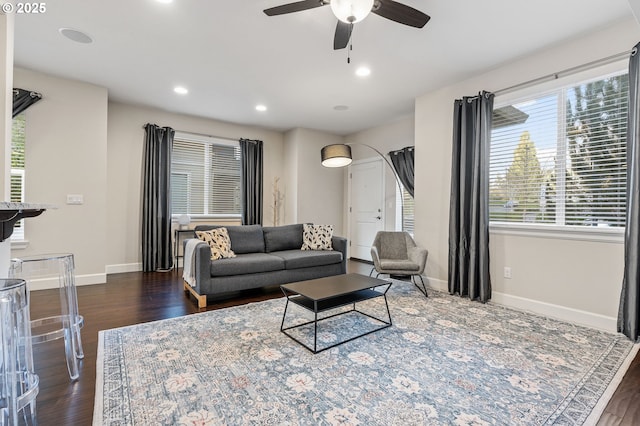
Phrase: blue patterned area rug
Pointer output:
(445, 360)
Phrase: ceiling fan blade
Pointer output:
(294, 7)
(343, 34)
(400, 13)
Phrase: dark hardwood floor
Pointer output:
(133, 298)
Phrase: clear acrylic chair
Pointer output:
(18, 381)
(67, 325)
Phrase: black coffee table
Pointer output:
(333, 292)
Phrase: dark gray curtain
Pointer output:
(156, 199)
(469, 205)
(403, 162)
(23, 99)
(251, 160)
(629, 312)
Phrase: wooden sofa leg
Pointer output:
(202, 299)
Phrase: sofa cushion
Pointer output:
(317, 237)
(244, 238)
(287, 237)
(249, 263)
(295, 259)
(218, 241)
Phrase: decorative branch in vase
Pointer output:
(277, 201)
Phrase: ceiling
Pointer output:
(231, 56)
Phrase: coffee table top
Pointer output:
(336, 285)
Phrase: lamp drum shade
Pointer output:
(338, 155)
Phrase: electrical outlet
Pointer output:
(507, 272)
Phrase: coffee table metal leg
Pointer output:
(388, 312)
(386, 303)
(284, 315)
(315, 327)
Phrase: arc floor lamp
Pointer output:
(339, 155)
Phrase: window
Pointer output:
(407, 216)
(559, 157)
(205, 176)
(17, 170)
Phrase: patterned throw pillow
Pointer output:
(219, 242)
(317, 237)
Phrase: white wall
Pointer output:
(314, 193)
(575, 280)
(290, 172)
(125, 150)
(7, 25)
(66, 153)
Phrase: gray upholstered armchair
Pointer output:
(396, 253)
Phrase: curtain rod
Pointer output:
(208, 136)
(202, 134)
(568, 71)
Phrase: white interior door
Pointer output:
(367, 206)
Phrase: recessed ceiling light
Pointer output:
(341, 107)
(165, 1)
(75, 35)
(261, 108)
(363, 72)
(180, 90)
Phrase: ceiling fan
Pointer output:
(349, 12)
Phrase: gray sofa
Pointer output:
(265, 256)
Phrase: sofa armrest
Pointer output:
(202, 272)
(340, 244)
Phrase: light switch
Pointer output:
(75, 199)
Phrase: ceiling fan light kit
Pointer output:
(351, 11)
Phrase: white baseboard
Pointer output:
(563, 313)
(575, 316)
(123, 267)
(436, 284)
(47, 283)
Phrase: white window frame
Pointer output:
(565, 232)
(207, 140)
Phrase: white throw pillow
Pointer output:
(317, 237)
(219, 242)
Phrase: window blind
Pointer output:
(205, 177)
(408, 216)
(17, 169)
(559, 157)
